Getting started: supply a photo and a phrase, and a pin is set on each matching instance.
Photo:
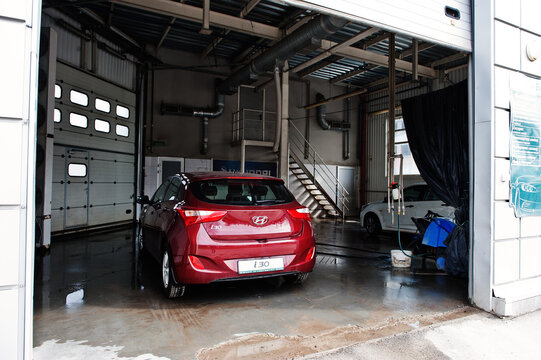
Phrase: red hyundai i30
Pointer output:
(209, 227)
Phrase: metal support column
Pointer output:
(284, 145)
(391, 118)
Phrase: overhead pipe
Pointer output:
(321, 117)
(278, 129)
(313, 32)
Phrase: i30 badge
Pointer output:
(260, 220)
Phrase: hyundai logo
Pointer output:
(260, 220)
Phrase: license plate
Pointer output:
(260, 265)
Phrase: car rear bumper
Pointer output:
(220, 258)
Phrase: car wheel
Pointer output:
(297, 278)
(170, 287)
(372, 224)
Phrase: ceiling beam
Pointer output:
(352, 73)
(320, 65)
(458, 56)
(375, 40)
(245, 11)
(192, 13)
(325, 54)
(165, 32)
(378, 59)
(195, 14)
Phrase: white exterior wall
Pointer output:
(506, 276)
(18, 101)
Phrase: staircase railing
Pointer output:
(320, 170)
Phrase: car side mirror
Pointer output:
(143, 200)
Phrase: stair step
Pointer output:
(297, 171)
(307, 182)
(320, 197)
(315, 192)
(302, 176)
(328, 207)
(310, 187)
(324, 202)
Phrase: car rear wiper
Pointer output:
(269, 201)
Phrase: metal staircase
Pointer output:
(315, 176)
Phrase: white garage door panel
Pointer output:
(108, 194)
(109, 157)
(57, 200)
(10, 161)
(12, 68)
(57, 220)
(77, 138)
(107, 214)
(420, 19)
(9, 311)
(111, 171)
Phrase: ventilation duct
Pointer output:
(311, 33)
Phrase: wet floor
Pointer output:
(95, 289)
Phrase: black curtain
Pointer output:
(437, 129)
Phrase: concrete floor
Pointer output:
(93, 291)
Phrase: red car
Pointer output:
(208, 227)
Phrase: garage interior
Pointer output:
(145, 89)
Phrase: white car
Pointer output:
(418, 200)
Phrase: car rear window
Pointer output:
(241, 192)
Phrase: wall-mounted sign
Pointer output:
(251, 167)
(525, 150)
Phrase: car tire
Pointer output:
(297, 278)
(372, 224)
(170, 287)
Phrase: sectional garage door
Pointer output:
(94, 152)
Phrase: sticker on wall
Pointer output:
(525, 150)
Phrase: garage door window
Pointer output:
(78, 120)
(102, 105)
(78, 98)
(122, 130)
(122, 111)
(401, 146)
(57, 91)
(102, 126)
(77, 170)
(57, 116)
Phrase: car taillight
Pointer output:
(300, 213)
(200, 216)
(196, 263)
(310, 254)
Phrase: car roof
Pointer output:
(198, 176)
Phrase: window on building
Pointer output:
(102, 105)
(122, 111)
(57, 115)
(102, 126)
(77, 170)
(122, 130)
(78, 98)
(401, 146)
(57, 91)
(78, 120)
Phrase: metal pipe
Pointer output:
(324, 101)
(312, 32)
(204, 135)
(278, 131)
(321, 113)
(346, 153)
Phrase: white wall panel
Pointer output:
(9, 310)
(530, 249)
(507, 48)
(530, 10)
(506, 225)
(9, 255)
(530, 226)
(507, 11)
(12, 69)
(10, 160)
(501, 88)
(501, 133)
(506, 261)
(527, 66)
(501, 179)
